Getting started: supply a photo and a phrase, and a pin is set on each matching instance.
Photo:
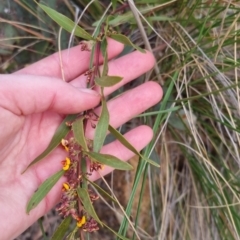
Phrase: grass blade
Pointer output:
(118, 235)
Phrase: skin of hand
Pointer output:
(34, 101)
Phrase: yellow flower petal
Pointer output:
(65, 167)
(66, 149)
(66, 186)
(81, 221)
(66, 164)
(68, 161)
(64, 143)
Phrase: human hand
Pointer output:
(34, 101)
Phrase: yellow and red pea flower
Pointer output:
(66, 186)
(81, 221)
(65, 144)
(66, 164)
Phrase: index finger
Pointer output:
(73, 62)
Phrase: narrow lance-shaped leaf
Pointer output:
(43, 190)
(72, 235)
(84, 170)
(108, 81)
(60, 133)
(105, 56)
(123, 39)
(128, 145)
(106, 27)
(127, 17)
(100, 190)
(62, 229)
(102, 127)
(86, 201)
(78, 132)
(114, 4)
(109, 160)
(66, 23)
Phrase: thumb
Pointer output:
(27, 94)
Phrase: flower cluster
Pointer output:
(70, 203)
(89, 74)
(86, 45)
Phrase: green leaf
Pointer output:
(122, 140)
(102, 191)
(127, 17)
(66, 23)
(84, 170)
(114, 4)
(108, 81)
(62, 229)
(128, 145)
(109, 160)
(78, 132)
(106, 27)
(60, 133)
(40, 222)
(123, 39)
(86, 201)
(105, 56)
(43, 190)
(102, 127)
(72, 235)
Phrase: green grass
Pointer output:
(195, 194)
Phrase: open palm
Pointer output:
(34, 101)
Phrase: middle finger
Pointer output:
(130, 67)
(128, 105)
